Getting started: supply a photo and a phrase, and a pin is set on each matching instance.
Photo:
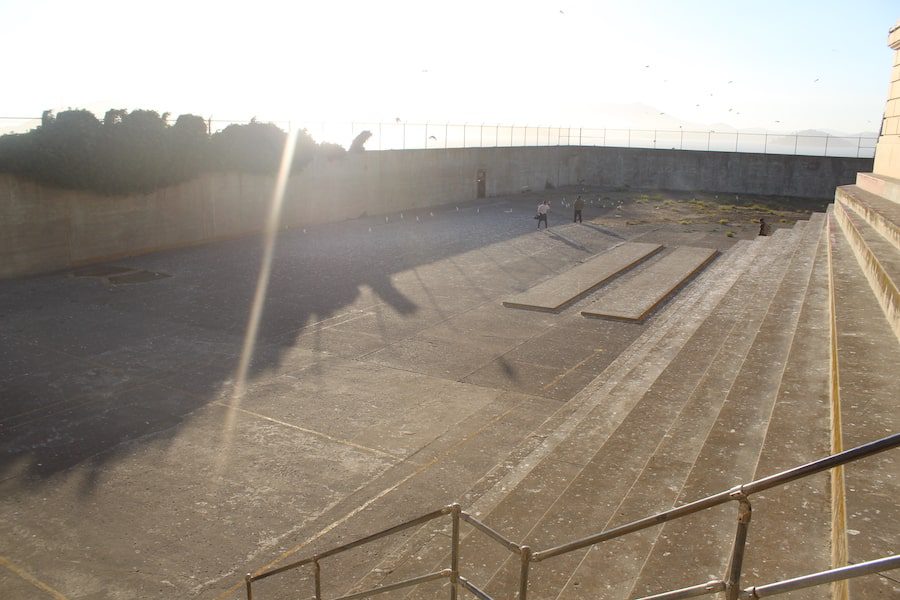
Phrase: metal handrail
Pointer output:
(823, 464)
(730, 585)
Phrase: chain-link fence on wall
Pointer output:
(402, 136)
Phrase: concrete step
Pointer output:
(878, 258)
(881, 213)
(695, 549)
(556, 293)
(445, 470)
(880, 185)
(798, 432)
(638, 295)
(867, 355)
(647, 355)
(612, 459)
(608, 570)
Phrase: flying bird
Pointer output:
(731, 82)
(397, 119)
(815, 80)
(431, 137)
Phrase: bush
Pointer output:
(139, 151)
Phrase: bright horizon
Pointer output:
(645, 65)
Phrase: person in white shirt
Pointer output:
(542, 210)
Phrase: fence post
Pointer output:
(826, 144)
(579, 135)
(708, 136)
(766, 144)
(247, 581)
(858, 143)
(454, 550)
(737, 136)
(317, 574)
(523, 572)
(796, 139)
(446, 127)
(733, 576)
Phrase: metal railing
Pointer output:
(401, 135)
(729, 584)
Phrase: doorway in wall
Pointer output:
(481, 180)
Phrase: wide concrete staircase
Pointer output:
(784, 350)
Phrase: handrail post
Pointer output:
(454, 550)
(248, 579)
(317, 573)
(523, 572)
(733, 577)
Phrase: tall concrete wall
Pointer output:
(887, 152)
(44, 229)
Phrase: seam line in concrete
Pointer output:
(25, 575)
(310, 431)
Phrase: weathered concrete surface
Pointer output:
(128, 469)
(635, 297)
(866, 345)
(732, 447)
(44, 229)
(557, 293)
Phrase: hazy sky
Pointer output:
(807, 64)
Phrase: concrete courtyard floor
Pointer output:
(133, 464)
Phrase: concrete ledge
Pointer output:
(882, 214)
(880, 185)
(558, 292)
(637, 298)
(882, 273)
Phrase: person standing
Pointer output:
(579, 206)
(542, 210)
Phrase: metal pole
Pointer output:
(317, 572)
(826, 144)
(766, 144)
(512, 128)
(465, 126)
(579, 136)
(858, 142)
(654, 138)
(604, 137)
(523, 572)
(796, 139)
(708, 135)
(247, 580)
(481, 136)
(379, 136)
(446, 126)
(733, 578)
(680, 138)
(454, 551)
(737, 136)
(497, 136)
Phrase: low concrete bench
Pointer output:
(562, 290)
(636, 298)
